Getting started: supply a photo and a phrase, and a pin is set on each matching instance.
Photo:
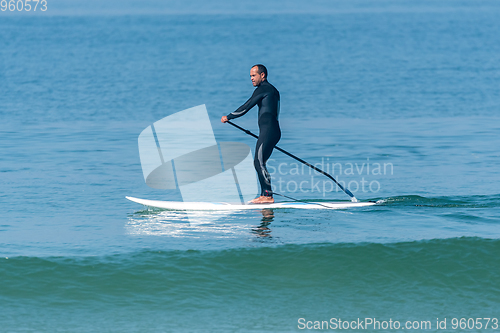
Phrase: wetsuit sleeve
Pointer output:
(252, 101)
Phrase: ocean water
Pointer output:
(398, 100)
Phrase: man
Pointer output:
(267, 97)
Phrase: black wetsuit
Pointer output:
(267, 97)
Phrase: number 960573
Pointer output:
(23, 5)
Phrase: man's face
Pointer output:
(256, 77)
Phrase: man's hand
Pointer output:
(224, 119)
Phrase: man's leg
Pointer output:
(263, 151)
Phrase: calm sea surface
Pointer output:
(399, 101)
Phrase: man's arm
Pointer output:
(252, 101)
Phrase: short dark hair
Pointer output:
(261, 69)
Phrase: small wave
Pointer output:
(456, 263)
(470, 201)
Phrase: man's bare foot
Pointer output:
(262, 199)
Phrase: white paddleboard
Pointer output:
(179, 205)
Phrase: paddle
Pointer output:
(353, 199)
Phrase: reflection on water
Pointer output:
(263, 229)
(207, 224)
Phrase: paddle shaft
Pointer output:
(298, 159)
